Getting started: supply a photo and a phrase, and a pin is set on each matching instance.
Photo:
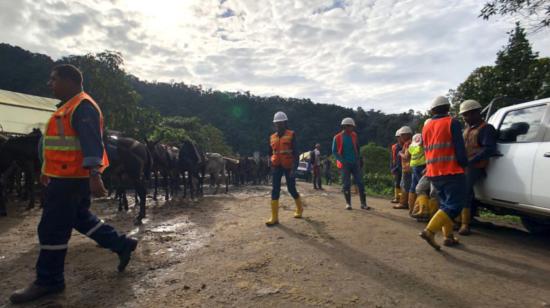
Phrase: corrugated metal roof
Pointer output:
(27, 101)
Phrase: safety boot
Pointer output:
(403, 201)
(363, 199)
(396, 195)
(125, 255)
(465, 222)
(450, 239)
(411, 202)
(34, 292)
(421, 211)
(274, 213)
(433, 206)
(347, 196)
(299, 208)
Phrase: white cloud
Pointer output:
(391, 55)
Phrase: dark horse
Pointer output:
(130, 162)
(20, 153)
(192, 162)
(165, 162)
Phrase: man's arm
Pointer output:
(488, 140)
(458, 142)
(335, 151)
(86, 123)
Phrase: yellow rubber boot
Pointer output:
(466, 216)
(396, 195)
(436, 224)
(274, 213)
(433, 206)
(422, 210)
(412, 201)
(299, 208)
(450, 239)
(403, 201)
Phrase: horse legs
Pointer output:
(156, 184)
(141, 191)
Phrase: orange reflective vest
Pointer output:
(282, 150)
(439, 148)
(472, 145)
(393, 154)
(340, 146)
(63, 157)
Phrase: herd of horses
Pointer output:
(134, 166)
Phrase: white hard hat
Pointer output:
(348, 121)
(405, 130)
(416, 140)
(469, 105)
(398, 133)
(440, 101)
(280, 117)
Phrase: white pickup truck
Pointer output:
(518, 177)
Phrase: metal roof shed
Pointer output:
(20, 113)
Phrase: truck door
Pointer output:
(541, 173)
(510, 174)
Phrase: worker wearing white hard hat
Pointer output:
(345, 149)
(284, 161)
(395, 167)
(446, 161)
(418, 164)
(480, 139)
(405, 200)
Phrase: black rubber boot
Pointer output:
(125, 255)
(34, 292)
(363, 198)
(347, 196)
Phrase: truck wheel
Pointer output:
(536, 225)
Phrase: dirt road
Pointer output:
(218, 252)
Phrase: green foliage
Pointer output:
(517, 74)
(379, 184)
(173, 130)
(538, 11)
(375, 159)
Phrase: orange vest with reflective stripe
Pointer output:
(63, 157)
(282, 150)
(439, 148)
(340, 146)
(472, 145)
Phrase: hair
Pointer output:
(69, 72)
(441, 109)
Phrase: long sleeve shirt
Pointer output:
(395, 167)
(487, 138)
(348, 153)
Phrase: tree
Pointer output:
(537, 11)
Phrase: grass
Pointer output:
(483, 213)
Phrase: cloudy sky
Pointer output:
(391, 55)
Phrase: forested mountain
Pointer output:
(244, 119)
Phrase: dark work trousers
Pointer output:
(277, 174)
(473, 175)
(67, 207)
(317, 177)
(452, 193)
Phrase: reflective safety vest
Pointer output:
(340, 146)
(417, 155)
(472, 145)
(406, 161)
(393, 154)
(439, 148)
(282, 150)
(63, 157)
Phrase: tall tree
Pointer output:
(537, 11)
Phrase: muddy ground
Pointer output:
(218, 252)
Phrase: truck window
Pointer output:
(521, 125)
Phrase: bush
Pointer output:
(379, 184)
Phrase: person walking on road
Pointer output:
(418, 165)
(327, 170)
(445, 163)
(73, 159)
(481, 142)
(345, 149)
(395, 167)
(284, 161)
(315, 159)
